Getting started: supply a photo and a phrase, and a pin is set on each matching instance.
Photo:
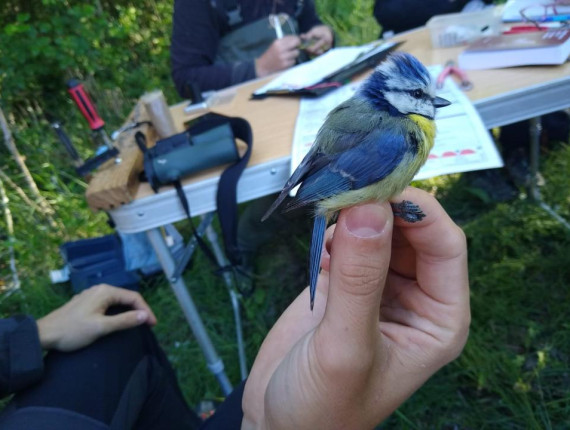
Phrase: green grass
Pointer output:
(515, 370)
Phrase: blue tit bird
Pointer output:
(369, 148)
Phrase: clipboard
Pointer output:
(338, 78)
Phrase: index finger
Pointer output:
(121, 296)
(290, 41)
(438, 245)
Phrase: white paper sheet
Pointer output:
(314, 71)
(462, 142)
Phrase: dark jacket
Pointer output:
(402, 15)
(21, 357)
(22, 366)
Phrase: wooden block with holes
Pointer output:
(115, 184)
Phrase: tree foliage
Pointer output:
(117, 44)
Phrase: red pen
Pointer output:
(517, 29)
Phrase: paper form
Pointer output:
(314, 71)
(462, 142)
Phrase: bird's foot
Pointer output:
(408, 211)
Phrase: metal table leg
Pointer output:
(206, 227)
(534, 191)
(234, 296)
(168, 264)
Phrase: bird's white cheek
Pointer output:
(400, 102)
(425, 109)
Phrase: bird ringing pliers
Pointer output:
(451, 69)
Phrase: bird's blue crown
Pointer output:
(399, 72)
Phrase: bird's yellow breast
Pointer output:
(396, 181)
(427, 126)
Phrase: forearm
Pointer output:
(395, 14)
(21, 357)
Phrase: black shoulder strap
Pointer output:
(226, 199)
(299, 8)
(184, 202)
(232, 11)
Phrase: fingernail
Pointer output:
(367, 220)
(142, 316)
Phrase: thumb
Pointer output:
(124, 321)
(359, 262)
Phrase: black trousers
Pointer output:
(122, 381)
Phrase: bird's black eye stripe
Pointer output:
(417, 94)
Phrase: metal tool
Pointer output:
(83, 168)
(130, 126)
(107, 150)
(85, 105)
(451, 69)
(65, 140)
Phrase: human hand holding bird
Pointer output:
(368, 149)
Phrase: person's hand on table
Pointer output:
(392, 307)
(280, 55)
(319, 39)
(82, 320)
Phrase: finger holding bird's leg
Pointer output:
(435, 241)
(408, 211)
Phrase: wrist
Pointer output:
(260, 70)
(46, 333)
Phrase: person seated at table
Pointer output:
(348, 364)
(395, 16)
(216, 44)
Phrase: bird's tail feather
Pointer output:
(319, 226)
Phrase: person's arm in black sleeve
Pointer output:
(21, 357)
(308, 17)
(312, 28)
(195, 37)
(402, 15)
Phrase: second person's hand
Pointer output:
(321, 37)
(82, 320)
(281, 55)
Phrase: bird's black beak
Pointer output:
(439, 102)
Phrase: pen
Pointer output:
(556, 18)
(277, 26)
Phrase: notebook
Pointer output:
(524, 49)
(326, 72)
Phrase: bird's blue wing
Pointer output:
(367, 162)
(313, 161)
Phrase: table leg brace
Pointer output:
(168, 264)
(534, 191)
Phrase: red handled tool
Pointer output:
(88, 110)
(85, 105)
